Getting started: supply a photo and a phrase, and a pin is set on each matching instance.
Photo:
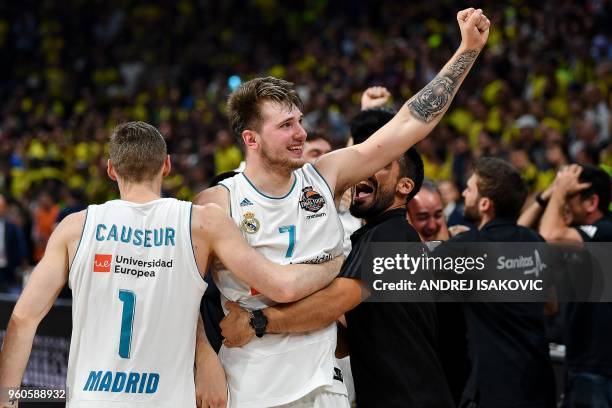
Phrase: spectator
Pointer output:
(13, 251)
(426, 213)
(45, 214)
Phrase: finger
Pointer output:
(231, 305)
(464, 14)
(583, 186)
(482, 24)
(475, 17)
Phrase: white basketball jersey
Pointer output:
(136, 296)
(301, 227)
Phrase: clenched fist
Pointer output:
(474, 26)
(374, 97)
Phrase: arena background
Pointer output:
(71, 70)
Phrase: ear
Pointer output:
(110, 170)
(250, 139)
(592, 203)
(485, 205)
(404, 186)
(167, 166)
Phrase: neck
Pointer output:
(140, 193)
(394, 206)
(484, 220)
(270, 180)
(593, 217)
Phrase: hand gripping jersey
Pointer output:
(136, 295)
(301, 227)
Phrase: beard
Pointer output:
(274, 161)
(382, 200)
(470, 213)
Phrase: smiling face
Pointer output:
(374, 195)
(281, 136)
(426, 213)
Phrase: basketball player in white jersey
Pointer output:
(134, 266)
(288, 213)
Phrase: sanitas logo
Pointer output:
(523, 262)
(102, 263)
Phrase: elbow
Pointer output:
(22, 323)
(551, 234)
(285, 294)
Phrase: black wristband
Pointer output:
(258, 322)
(540, 200)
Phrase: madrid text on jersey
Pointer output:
(138, 237)
(120, 382)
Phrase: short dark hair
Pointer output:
(368, 121)
(501, 183)
(600, 185)
(411, 166)
(244, 104)
(137, 151)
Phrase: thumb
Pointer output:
(231, 305)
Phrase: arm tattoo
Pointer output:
(435, 97)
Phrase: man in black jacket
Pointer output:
(510, 364)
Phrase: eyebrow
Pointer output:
(290, 118)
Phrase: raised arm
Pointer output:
(47, 279)
(416, 118)
(282, 283)
(532, 214)
(553, 226)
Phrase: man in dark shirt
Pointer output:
(586, 192)
(510, 364)
(393, 346)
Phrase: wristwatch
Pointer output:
(540, 200)
(258, 322)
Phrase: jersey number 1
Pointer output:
(127, 322)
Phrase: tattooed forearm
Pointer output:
(437, 95)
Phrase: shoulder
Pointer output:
(216, 195)
(530, 235)
(599, 231)
(395, 229)
(71, 227)
(467, 236)
(209, 219)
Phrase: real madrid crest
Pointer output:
(249, 223)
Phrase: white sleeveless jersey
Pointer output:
(302, 227)
(136, 296)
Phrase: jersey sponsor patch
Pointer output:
(311, 200)
(102, 262)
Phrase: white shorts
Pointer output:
(320, 398)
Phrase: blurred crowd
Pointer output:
(538, 96)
